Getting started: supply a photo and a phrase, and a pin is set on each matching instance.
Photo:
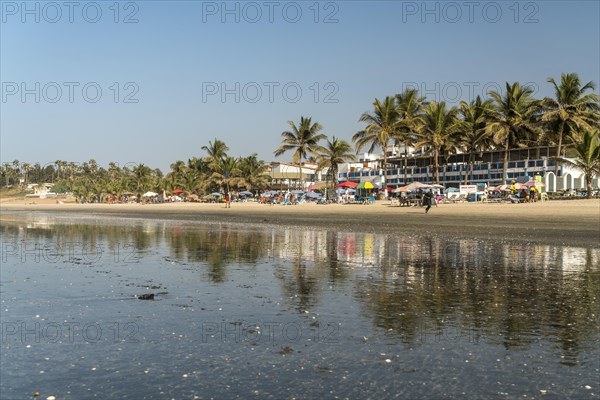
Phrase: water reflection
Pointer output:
(415, 290)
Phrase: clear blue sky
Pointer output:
(178, 54)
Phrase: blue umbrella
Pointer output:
(297, 192)
(269, 193)
(216, 194)
(245, 193)
(314, 195)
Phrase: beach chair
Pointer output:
(460, 199)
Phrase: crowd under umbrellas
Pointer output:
(364, 192)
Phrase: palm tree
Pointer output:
(226, 173)
(141, 179)
(335, 152)
(59, 165)
(410, 106)
(253, 172)
(25, 167)
(513, 118)
(216, 150)
(382, 126)
(190, 181)
(16, 170)
(572, 109)
(473, 136)
(303, 140)
(175, 177)
(7, 171)
(587, 157)
(436, 131)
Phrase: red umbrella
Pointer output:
(347, 184)
(177, 191)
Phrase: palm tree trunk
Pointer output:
(505, 163)
(405, 164)
(558, 150)
(588, 184)
(469, 169)
(385, 170)
(436, 164)
(300, 174)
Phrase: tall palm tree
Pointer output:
(25, 167)
(572, 109)
(175, 176)
(473, 136)
(16, 169)
(141, 179)
(436, 130)
(513, 118)
(382, 126)
(225, 174)
(190, 181)
(587, 157)
(303, 139)
(410, 106)
(59, 168)
(216, 150)
(7, 171)
(336, 151)
(253, 172)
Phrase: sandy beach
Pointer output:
(563, 222)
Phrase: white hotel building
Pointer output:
(523, 164)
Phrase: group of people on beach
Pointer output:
(530, 195)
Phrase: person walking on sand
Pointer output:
(227, 200)
(532, 194)
(427, 199)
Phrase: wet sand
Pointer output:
(564, 222)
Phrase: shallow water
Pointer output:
(271, 312)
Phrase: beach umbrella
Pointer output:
(297, 192)
(402, 189)
(269, 193)
(436, 186)
(365, 185)
(245, 193)
(319, 185)
(451, 190)
(177, 191)
(417, 185)
(150, 194)
(535, 183)
(347, 184)
(314, 195)
(343, 191)
(216, 194)
(518, 186)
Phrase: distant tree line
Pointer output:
(507, 121)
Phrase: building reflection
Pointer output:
(414, 289)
